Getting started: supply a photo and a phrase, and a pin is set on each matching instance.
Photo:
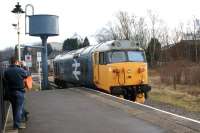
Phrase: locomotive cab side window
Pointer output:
(102, 58)
(96, 58)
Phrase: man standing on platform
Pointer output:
(14, 77)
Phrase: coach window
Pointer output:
(55, 67)
(62, 70)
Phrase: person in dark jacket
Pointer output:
(25, 113)
(14, 77)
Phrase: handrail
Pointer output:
(2, 105)
(27, 16)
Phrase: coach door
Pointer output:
(96, 68)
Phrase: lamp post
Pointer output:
(18, 11)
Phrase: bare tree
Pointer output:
(106, 34)
(193, 33)
(140, 34)
(121, 29)
(154, 30)
(114, 31)
(6, 53)
(176, 35)
(164, 40)
(164, 37)
(125, 25)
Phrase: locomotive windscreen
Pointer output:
(125, 56)
(117, 56)
(136, 56)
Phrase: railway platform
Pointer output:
(81, 110)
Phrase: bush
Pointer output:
(180, 72)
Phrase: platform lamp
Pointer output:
(18, 11)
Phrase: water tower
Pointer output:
(43, 26)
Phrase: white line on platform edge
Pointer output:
(147, 106)
(4, 128)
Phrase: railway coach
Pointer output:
(117, 67)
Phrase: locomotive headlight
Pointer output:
(129, 71)
(116, 70)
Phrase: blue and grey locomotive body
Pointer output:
(74, 67)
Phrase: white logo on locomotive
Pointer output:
(75, 72)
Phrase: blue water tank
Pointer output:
(40, 25)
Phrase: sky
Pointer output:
(86, 17)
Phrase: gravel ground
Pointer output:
(173, 109)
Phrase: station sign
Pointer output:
(28, 60)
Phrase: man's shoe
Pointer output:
(26, 116)
(13, 130)
(18, 128)
(25, 119)
(21, 126)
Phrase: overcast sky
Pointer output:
(85, 17)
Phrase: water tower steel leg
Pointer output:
(44, 63)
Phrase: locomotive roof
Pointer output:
(117, 45)
(107, 46)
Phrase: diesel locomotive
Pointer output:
(117, 67)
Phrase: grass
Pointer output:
(188, 102)
(187, 97)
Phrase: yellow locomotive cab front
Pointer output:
(122, 73)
